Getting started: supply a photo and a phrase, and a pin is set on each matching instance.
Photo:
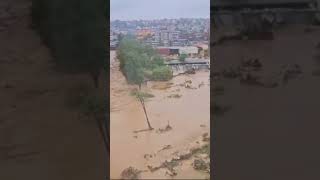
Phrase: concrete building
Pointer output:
(203, 50)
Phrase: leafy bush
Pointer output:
(140, 94)
(183, 57)
(161, 73)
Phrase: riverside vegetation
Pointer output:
(140, 63)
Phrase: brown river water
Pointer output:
(188, 115)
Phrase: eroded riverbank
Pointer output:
(185, 108)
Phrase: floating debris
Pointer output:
(205, 137)
(200, 164)
(148, 156)
(163, 130)
(172, 174)
(142, 130)
(130, 173)
(201, 84)
(203, 151)
(174, 96)
(165, 148)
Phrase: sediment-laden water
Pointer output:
(183, 103)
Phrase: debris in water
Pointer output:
(172, 174)
(170, 166)
(148, 156)
(190, 71)
(188, 86)
(130, 173)
(176, 161)
(163, 130)
(142, 130)
(174, 96)
(201, 84)
(200, 164)
(202, 125)
(205, 137)
(135, 136)
(165, 148)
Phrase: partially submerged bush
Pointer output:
(140, 94)
(183, 57)
(162, 73)
(130, 173)
(200, 164)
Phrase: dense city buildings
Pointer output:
(164, 33)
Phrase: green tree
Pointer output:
(134, 71)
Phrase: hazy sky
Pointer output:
(157, 9)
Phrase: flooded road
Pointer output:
(186, 110)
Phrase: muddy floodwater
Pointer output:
(185, 109)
